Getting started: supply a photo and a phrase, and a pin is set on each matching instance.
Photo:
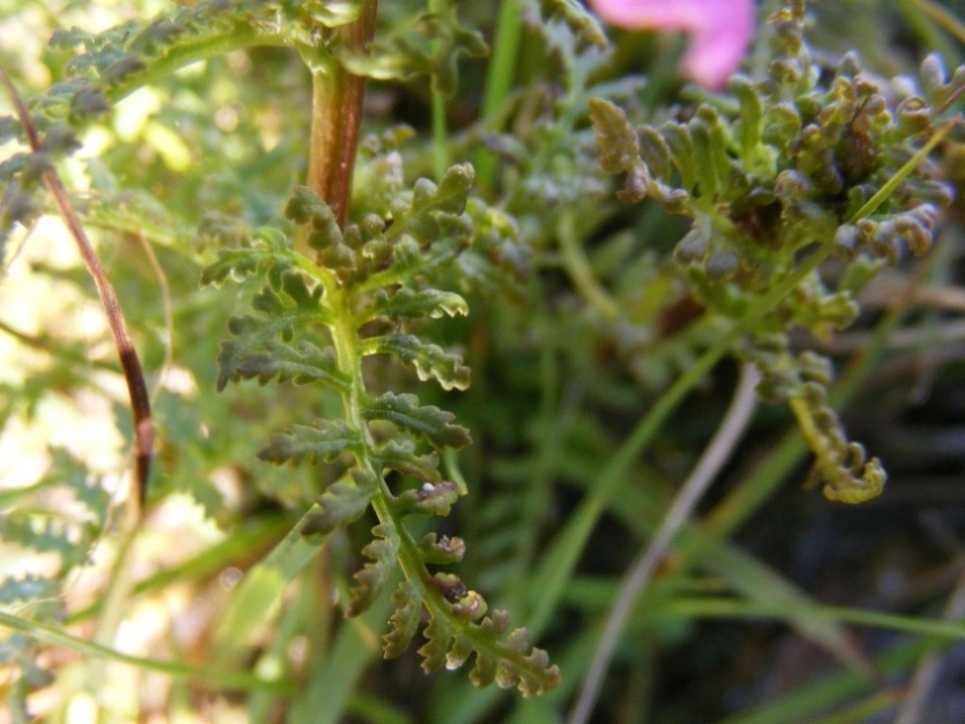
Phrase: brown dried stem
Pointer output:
(130, 363)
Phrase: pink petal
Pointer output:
(720, 30)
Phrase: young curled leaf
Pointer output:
(844, 487)
(580, 21)
(618, 143)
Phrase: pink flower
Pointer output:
(720, 30)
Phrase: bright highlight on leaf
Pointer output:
(720, 30)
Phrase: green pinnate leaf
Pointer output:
(407, 303)
(459, 652)
(10, 129)
(280, 312)
(342, 503)
(429, 44)
(70, 542)
(74, 474)
(442, 551)
(300, 363)
(750, 123)
(63, 39)
(372, 579)
(708, 182)
(717, 134)
(322, 441)
(427, 422)
(618, 143)
(655, 153)
(404, 622)
(156, 36)
(782, 124)
(438, 634)
(305, 206)
(429, 360)
(430, 203)
(121, 69)
(269, 251)
(429, 499)
(251, 333)
(577, 18)
(532, 674)
(512, 663)
(400, 455)
(297, 290)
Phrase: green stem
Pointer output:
(732, 608)
(119, 588)
(255, 601)
(942, 17)
(502, 70)
(200, 674)
(440, 135)
(581, 273)
(245, 543)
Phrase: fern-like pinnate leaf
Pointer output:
(404, 622)
(301, 363)
(364, 292)
(509, 663)
(427, 422)
(342, 502)
(280, 309)
(323, 441)
(400, 455)
(427, 44)
(793, 161)
(372, 579)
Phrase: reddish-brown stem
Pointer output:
(130, 363)
(337, 97)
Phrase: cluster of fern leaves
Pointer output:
(580, 303)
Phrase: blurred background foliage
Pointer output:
(193, 162)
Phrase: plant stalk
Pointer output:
(337, 97)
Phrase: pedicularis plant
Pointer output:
(357, 246)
